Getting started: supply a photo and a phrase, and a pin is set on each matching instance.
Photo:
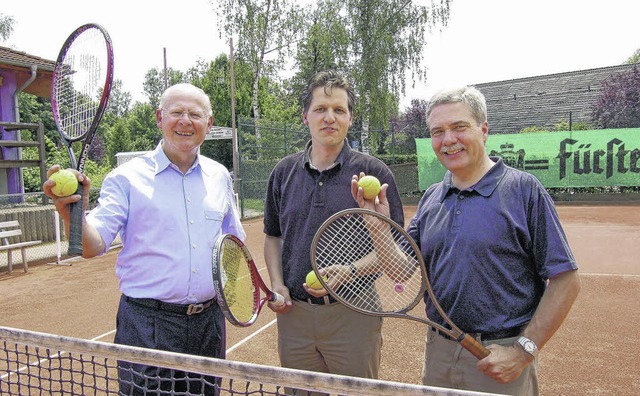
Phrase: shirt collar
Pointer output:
(485, 186)
(345, 153)
(162, 162)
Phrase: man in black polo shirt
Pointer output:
(306, 188)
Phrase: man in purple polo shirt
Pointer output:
(306, 188)
(498, 259)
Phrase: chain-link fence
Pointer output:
(261, 146)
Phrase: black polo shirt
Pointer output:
(300, 198)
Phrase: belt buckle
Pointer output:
(195, 309)
(325, 299)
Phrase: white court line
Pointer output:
(237, 345)
(255, 333)
(234, 347)
(614, 275)
(103, 335)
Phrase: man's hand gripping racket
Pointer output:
(237, 282)
(374, 267)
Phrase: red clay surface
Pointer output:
(596, 351)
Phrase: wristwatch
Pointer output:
(529, 346)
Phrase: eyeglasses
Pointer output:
(193, 115)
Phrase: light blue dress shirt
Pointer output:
(168, 223)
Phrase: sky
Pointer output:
(484, 41)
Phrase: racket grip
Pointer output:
(277, 299)
(476, 348)
(75, 225)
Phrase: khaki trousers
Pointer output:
(448, 365)
(329, 339)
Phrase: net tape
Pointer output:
(34, 363)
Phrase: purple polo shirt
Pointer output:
(489, 249)
(300, 198)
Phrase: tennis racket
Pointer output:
(374, 267)
(80, 90)
(237, 282)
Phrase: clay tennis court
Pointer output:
(595, 352)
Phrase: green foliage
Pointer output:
(264, 26)
(6, 26)
(143, 128)
(387, 39)
(398, 159)
(635, 58)
(531, 129)
(118, 141)
(154, 83)
(578, 126)
(219, 150)
(326, 44)
(119, 100)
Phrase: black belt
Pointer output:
(489, 336)
(185, 309)
(324, 300)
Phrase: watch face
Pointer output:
(529, 347)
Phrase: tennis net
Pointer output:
(34, 363)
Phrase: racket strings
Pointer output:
(79, 82)
(237, 284)
(389, 278)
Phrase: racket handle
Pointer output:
(476, 348)
(75, 225)
(277, 299)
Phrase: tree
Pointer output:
(635, 58)
(119, 100)
(6, 26)
(378, 42)
(262, 27)
(409, 126)
(118, 141)
(618, 104)
(325, 46)
(387, 39)
(154, 84)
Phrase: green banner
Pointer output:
(597, 158)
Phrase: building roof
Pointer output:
(544, 101)
(21, 63)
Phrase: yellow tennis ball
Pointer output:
(313, 282)
(66, 183)
(370, 186)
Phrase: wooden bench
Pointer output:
(10, 229)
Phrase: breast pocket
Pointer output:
(213, 224)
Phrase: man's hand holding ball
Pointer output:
(66, 183)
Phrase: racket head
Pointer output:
(234, 281)
(391, 286)
(345, 238)
(82, 80)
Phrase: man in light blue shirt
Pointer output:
(169, 206)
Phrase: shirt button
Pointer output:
(461, 197)
(190, 221)
(193, 245)
(320, 184)
(194, 270)
(457, 212)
